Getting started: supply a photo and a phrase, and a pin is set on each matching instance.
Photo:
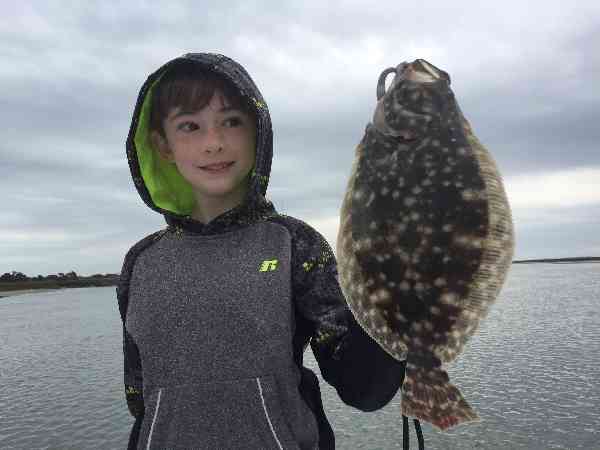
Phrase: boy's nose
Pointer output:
(213, 140)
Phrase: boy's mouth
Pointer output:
(217, 167)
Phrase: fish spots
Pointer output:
(462, 240)
(391, 239)
(371, 198)
(384, 330)
(411, 274)
(362, 245)
(469, 195)
(380, 296)
(396, 345)
(468, 241)
(382, 258)
(400, 317)
(404, 257)
(440, 282)
(449, 298)
(419, 217)
(400, 227)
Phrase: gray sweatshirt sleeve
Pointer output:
(363, 374)
(133, 376)
(131, 358)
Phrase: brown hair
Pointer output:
(191, 87)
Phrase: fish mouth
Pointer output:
(418, 71)
(401, 112)
(422, 71)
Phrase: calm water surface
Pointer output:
(532, 372)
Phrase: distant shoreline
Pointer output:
(583, 259)
(13, 288)
(14, 293)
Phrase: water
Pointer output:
(531, 372)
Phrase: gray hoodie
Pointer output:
(216, 316)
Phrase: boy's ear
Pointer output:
(160, 144)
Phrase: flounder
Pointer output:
(426, 236)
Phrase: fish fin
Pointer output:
(428, 395)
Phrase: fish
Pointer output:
(426, 236)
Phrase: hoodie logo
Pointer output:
(258, 103)
(268, 266)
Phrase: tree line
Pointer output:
(19, 276)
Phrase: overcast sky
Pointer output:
(526, 74)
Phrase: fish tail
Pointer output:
(428, 395)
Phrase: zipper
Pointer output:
(154, 420)
(267, 415)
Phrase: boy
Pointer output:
(219, 307)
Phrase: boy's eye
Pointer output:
(233, 121)
(187, 126)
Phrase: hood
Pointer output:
(159, 183)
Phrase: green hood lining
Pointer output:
(168, 189)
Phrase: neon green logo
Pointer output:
(258, 103)
(268, 266)
(131, 390)
(308, 265)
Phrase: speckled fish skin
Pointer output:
(426, 236)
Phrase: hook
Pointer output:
(381, 82)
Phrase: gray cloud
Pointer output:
(525, 74)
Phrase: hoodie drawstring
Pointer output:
(405, 433)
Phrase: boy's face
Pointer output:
(200, 142)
